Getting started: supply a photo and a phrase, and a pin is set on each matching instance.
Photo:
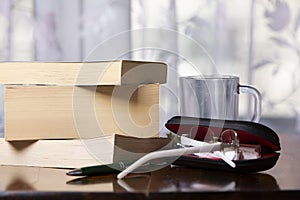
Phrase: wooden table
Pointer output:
(280, 182)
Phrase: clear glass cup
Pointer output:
(215, 97)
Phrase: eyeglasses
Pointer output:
(228, 142)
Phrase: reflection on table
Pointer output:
(174, 182)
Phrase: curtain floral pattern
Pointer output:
(256, 40)
(259, 41)
(276, 67)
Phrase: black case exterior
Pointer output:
(248, 133)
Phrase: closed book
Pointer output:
(57, 153)
(56, 112)
(119, 72)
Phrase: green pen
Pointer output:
(99, 169)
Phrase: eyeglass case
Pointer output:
(248, 133)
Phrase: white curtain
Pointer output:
(256, 40)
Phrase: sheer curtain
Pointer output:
(55, 30)
(256, 40)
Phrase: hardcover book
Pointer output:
(64, 112)
(119, 72)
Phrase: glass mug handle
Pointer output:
(257, 100)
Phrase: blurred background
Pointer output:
(259, 41)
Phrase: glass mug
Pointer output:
(215, 97)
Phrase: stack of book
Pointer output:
(55, 113)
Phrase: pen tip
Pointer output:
(76, 172)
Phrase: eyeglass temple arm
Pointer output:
(169, 153)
